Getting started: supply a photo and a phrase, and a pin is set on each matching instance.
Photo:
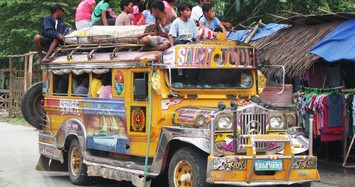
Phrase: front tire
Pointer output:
(187, 168)
(77, 169)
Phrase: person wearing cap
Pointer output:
(83, 14)
(52, 32)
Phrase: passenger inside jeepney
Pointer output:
(211, 78)
(82, 88)
(106, 88)
(95, 85)
(61, 83)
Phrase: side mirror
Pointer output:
(255, 99)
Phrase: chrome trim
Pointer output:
(118, 174)
(57, 154)
(67, 129)
(261, 183)
(193, 136)
(170, 86)
(45, 136)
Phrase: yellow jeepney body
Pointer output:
(158, 104)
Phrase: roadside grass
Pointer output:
(15, 121)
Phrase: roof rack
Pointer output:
(98, 42)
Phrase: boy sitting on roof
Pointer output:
(183, 29)
(52, 32)
(123, 18)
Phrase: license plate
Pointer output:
(268, 165)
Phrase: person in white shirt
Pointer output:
(196, 12)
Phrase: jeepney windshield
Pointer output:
(211, 78)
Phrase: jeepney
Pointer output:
(189, 116)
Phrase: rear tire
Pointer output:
(31, 107)
(76, 167)
(188, 168)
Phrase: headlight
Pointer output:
(277, 122)
(224, 123)
(200, 120)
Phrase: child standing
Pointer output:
(183, 29)
(209, 20)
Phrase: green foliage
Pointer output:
(22, 19)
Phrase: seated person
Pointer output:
(147, 16)
(196, 12)
(106, 89)
(52, 32)
(209, 20)
(82, 89)
(101, 16)
(96, 84)
(83, 14)
(183, 29)
(127, 8)
(63, 83)
(158, 39)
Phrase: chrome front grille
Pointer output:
(253, 124)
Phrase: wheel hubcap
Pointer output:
(75, 161)
(183, 174)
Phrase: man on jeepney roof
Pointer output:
(127, 8)
(52, 32)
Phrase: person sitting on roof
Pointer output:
(123, 18)
(183, 29)
(101, 16)
(196, 12)
(209, 20)
(169, 7)
(52, 32)
(147, 16)
(158, 39)
(83, 14)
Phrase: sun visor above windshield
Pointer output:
(210, 56)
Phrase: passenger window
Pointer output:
(80, 85)
(60, 84)
(141, 86)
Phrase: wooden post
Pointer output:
(30, 64)
(11, 88)
(25, 82)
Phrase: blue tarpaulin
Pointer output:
(339, 44)
(267, 30)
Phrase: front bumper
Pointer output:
(239, 169)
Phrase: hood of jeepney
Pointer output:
(189, 115)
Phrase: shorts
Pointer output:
(46, 42)
(83, 24)
(157, 40)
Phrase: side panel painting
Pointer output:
(105, 121)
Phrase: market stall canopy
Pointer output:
(290, 46)
(338, 44)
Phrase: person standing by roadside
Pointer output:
(52, 32)
(100, 15)
(83, 14)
